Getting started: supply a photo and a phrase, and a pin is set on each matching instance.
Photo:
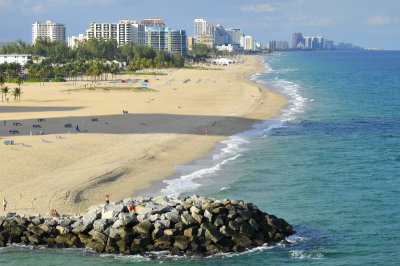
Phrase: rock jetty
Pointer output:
(181, 225)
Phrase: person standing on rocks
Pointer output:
(107, 199)
(131, 207)
(4, 204)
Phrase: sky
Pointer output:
(367, 23)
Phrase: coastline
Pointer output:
(119, 164)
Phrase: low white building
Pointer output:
(21, 59)
(222, 61)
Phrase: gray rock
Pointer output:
(181, 242)
(188, 219)
(143, 227)
(234, 225)
(198, 217)
(110, 214)
(190, 232)
(173, 217)
(226, 231)
(163, 224)
(63, 230)
(213, 234)
(158, 232)
(208, 215)
(89, 218)
(82, 229)
(246, 230)
(154, 217)
(142, 217)
(99, 237)
(170, 232)
(219, 221)
(116, 208)
(194, 209)
(101, 224)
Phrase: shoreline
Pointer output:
(166, 141)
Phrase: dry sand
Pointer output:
(120, 153)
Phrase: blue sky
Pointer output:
(368, 23)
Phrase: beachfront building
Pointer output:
(221, 36)
(176, 41)
(153, 22)
(167, 39)
(297, 40)
(74, 40)
(278, 46)
(248, 43)
(235, 34)
(125, 31)
(203, 32)
(21, 59)
(49, 30)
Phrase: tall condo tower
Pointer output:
(49, 30)
(203, 32)
(297, 38)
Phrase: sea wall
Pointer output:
(181, 225)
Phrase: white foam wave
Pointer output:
(235, 145)
(186, 182)
(301, 254)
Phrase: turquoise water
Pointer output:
(329, 165)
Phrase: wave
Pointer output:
(185, 177)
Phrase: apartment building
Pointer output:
(166, 39)
(49, 30)
(125, 31)
(204, 33)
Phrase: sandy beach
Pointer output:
(116, 153)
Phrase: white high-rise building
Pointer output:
(49, 30)
(203, 32)
(125, 31)
(247, 42)
(200, 27)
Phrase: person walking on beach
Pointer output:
(4, 204)
(206, 131)
(107, 199)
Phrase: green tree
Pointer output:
(19, 81)
(17, 93)
(199, 51)
(4, 90)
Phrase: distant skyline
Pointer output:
(361, 22)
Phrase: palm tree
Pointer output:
(4, 90)
(19, 82)
(2, 81)
(17, 93)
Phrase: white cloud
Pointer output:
(258, 8)
(378, 20)
(318, 22)
(38, 9)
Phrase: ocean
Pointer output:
(329, 164)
